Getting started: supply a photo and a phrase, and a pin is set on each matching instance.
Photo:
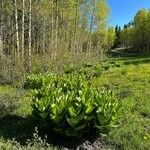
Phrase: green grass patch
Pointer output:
(6, 89)
(128, 77)
(132, 84)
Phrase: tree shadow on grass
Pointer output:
(70, 142)
(21, 129)
(17, 127)
(86, 142)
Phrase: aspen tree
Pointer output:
(23, 28)
(17, 30)
(30, 40)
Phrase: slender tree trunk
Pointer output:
(91, 27)
(30, 40)
(1, 34)
(52, 26)
(17, 30)
(56, 26)
(1, 48)
(61, 33)
(23, 29)
(44, 38)
(54, 32)
(75, 23)
(13, 41)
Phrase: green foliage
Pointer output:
(90, 71)
(36, 81)
(117, 41)
(111, 37)
(135, 34)
(126, 36)
(87, 70)
(33, 82)
(131, 83)
(107, 111)
(71, 106)
(108, 65)
(9, 103)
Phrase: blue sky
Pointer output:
(122, 11)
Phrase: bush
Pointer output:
(11, 73)
(36, 81)
(106, 66)
(90, 72)
(111, 64)
(8, 104)
(87, 70)
(70, 106)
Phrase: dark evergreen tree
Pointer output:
(117, 42)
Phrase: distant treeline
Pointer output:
(135, 34)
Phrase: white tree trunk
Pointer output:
(30, 40)
(17, 32)
(23, 30)
(56, 27)
(91, 28)
(44, 37)
(1, 35)
(1, 48)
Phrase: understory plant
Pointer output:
(71, 106)
(9, 103)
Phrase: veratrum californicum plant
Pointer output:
(71, 106)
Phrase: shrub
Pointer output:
(8, 104)
(11, 73)
(87, 70)
(124, 71)
(112, 64)
(118, 64)
(106, 66)
(91, 71)
(69, 69)
(33, 82)
(71, 106)
(36, 81)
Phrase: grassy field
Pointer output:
(132, 83)
(132, 86)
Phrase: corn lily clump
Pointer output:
(71, 106)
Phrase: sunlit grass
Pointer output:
(132, 83)
(6, 89)
(132, 86)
